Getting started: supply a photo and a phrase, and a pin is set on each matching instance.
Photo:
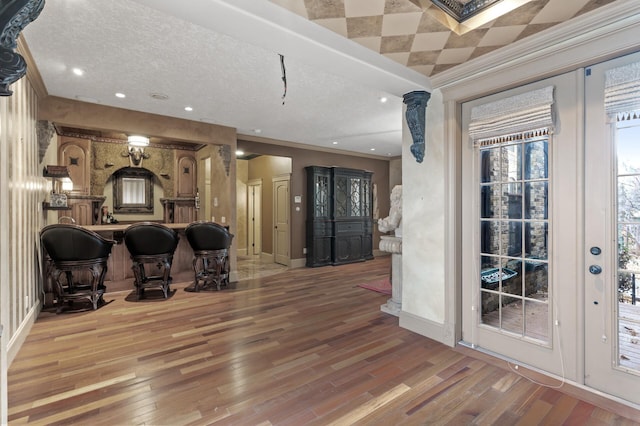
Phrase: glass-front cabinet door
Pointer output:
(318, 225)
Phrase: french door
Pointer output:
(520, 293)
(551, 260)
(612, 239)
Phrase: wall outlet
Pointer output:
(223, 219)
(304, 250)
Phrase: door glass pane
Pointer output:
(490, 237)
(536, 236)
(322, 196)
(535, 200)
(366, 208)
(514, 239)
(535, 160)
(536, 320)
(629, 197)
(512, 278)
(511, 318)
(341, 196)
(490, 201)
(628, 237)
(536, 280)
(511, 163)
(355, 198)
(511, 238)
(488, 172)
(512, 200)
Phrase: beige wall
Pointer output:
(242, 176)
(265, 168)
(307, 157)
(395, 172)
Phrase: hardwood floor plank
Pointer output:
(303, 347)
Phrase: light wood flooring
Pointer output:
(302, 347)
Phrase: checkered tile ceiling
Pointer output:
(412, 32)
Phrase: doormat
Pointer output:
(381, 286)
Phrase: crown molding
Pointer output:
(268, 141)
(561, 44)
(33, 75)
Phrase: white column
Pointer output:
(393, 245)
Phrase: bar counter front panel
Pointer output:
(119, 273)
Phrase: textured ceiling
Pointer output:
(415, 35)
(221, 57)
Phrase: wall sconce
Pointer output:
(67, 184)
(136, 149)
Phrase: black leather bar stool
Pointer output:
(72, 248)
(210, 243)
(151, 243)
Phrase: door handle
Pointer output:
(595, 269)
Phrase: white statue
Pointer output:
(393, 222)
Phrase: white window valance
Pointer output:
(622, 89)
(513, 118)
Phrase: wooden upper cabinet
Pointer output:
(186, 176)
(75, 154)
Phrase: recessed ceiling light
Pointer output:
(335, 142)
(383, 99)
(257, 131)
(78, 71)
(239, 152)
(188, 108)
(120, 95)
(373, 149)
(159, 96)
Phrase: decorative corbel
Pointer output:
(415, 115)
(224, 151)
(14, 16)
(44, 131)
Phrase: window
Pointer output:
(514, 234)
(133, 191)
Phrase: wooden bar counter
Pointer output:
(120, 275)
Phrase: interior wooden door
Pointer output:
(281, 220)
(254, 217)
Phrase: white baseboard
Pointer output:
(241, 252)
(298, 263)
(433, 330)
(267, 257)
(23, 331)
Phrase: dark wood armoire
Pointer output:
(339, 215)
